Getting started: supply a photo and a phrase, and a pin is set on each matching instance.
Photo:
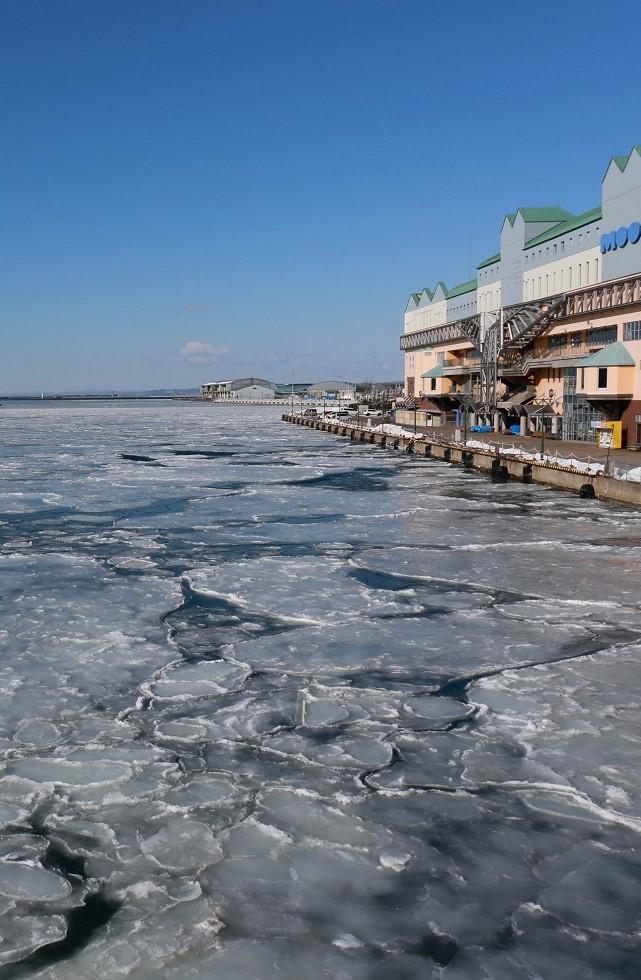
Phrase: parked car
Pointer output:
(310, 411)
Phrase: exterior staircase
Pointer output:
(522, 323)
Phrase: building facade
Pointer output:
(244, 389)
(552, 319)
(258, 389)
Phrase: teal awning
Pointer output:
(614, 355)
(435, 372)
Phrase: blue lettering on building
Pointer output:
(621, 237)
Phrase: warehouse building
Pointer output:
(551, 323)
(244, 389)
(258, 389)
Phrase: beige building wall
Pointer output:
(620, 381)
(489, 297)
(563, 274)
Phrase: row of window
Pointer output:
(602, 335)
(597, 336)
(490, 301)
(558, 248)
(489, 274)
(572, 277)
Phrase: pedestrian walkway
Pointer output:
(564, 447)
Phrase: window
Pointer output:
(433, 384)
(581, 377)
(557, 340)
(602, 336)
(602, 381)
(554, 249)
(563, 245)
(632, 330)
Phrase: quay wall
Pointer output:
(500, 468)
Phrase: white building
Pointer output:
(562, 287)
(244, 389)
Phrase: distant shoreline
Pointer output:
(93, 398)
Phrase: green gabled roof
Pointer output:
(623, 161)
(491, 261)
(545, 214)
(533, 215)
(614, 355)
(417, 297)
(571, 224)
(464, 287)
(435, 372)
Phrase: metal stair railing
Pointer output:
(529, 320)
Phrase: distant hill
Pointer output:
(107, 393)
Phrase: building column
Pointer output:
(497, 421)
(556, 419)
(523, 425)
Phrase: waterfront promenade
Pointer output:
(623, 458)
(574, 473)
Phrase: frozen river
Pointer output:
(279, 707)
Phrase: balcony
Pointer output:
(461, 365)
(545, 357)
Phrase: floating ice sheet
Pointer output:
(279, 705)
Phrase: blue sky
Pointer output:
(193, 190)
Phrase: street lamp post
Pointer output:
(544, 411)
(465, 401)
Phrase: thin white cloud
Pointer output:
(200, 352)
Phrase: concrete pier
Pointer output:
(497, 466)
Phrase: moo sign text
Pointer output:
(621, 237)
